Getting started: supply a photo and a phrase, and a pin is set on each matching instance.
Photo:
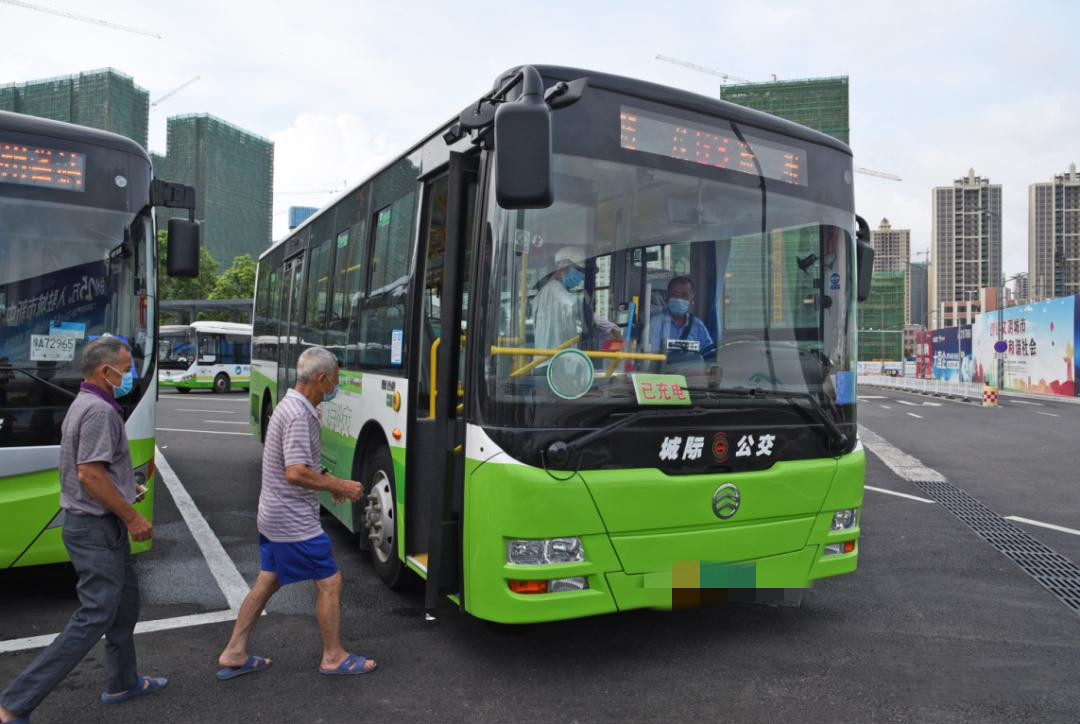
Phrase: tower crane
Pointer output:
(79, 18)
(725, 77)
(174, 91)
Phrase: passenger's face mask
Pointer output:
(678, 307)
(573, 278)
(127, 381)
(328, 396)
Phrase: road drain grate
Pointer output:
(1053, 571)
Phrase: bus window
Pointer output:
(318, 285)
(349, 275)
(209, 348)
(381, 332)
(430, 304)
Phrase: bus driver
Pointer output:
(675, 331)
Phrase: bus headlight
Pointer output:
(845, 519)
(524, 552)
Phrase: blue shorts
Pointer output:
(306, 560)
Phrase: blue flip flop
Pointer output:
(253, 665)
(146, 685)
(345, 668)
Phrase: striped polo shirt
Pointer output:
(289, 513)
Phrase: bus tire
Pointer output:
(222, 383)
(380, 509)
(183, 390)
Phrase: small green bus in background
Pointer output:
(537, 438)
(204, 355)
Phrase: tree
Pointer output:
(236, 282)
(182, 287)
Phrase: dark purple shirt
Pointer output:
(98, 392)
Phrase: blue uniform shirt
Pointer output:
(663, 327)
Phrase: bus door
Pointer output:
(435, 455)
(289, 328)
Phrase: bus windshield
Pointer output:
(717, 287)
(67, 273)
(176, 347)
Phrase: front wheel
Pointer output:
(222, 383)
(380, 516)
(183, 390)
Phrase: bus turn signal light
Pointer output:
(529, 586)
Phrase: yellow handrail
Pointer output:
(528, 366)
(592, 354)
(434, 368)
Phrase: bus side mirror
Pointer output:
(523, 175)
(182, 255)
(864, 256)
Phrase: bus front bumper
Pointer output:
(631, 567)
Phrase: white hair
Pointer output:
(313, 362)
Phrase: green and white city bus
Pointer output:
(558, 454)
(204, 355)
(77, 260)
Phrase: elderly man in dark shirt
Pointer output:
(97, 489)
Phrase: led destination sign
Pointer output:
(710, 146)
(40, 166)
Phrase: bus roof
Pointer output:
(619, 84)
(22, 123)
(221, 327)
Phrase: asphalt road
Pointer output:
(936, 625)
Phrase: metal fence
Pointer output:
(943, 388)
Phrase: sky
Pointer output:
(342, 87)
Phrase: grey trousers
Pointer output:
(108, 592)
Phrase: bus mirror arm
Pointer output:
(182, 258)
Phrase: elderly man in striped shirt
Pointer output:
(291, 540)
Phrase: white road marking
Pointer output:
(207, 432)
(1051, 526)
(910, 404)
(899, 495)
(928, 403)
(904, 465)
(225, 422)
(885, 407)
(162, 624)
(218, 412)
(1048, 414)
(914, 415)
(221, 566)
(872, 397)
(1025, 402)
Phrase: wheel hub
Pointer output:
(379, 517)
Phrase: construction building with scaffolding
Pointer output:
(818, 103)
(105, 99)
(881, 318)
(232, 171)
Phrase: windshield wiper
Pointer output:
(42, 380)
(559, 451)
(834, 435)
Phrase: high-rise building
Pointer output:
(300, 214)
(105, 99)
(892, 253)
(1054, 236)
(232, 171)
(819, 103)
(965, 240)
(917, 294)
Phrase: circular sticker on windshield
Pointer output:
(570, 374)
